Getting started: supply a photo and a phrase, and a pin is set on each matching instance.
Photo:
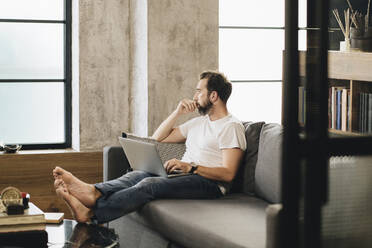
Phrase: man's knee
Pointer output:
(151, 184)
(136, 173)
(151, 180)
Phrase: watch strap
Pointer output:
(193, 167)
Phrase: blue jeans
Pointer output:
(134, 189)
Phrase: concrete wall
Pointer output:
(104, 72)
(183, 41)
(137, 60)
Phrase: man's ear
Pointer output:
(213, 96)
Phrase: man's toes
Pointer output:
(59, 171)
(56, 176)
(58, 183)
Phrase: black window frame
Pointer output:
(67, 80)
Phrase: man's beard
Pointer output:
(203, 110)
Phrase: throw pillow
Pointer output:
(268, 168)
(244, 179)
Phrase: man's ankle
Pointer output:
(97, 193)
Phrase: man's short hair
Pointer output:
(218, 82)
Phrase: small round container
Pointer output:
(356, 33)
(368, 34)
(12, 148)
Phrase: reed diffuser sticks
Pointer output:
(367, 17)
(351, 8)
(338, 19)
(354, 20)
(347, 23)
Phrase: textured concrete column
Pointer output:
(104, 72)
(138, 67)
(182, 42)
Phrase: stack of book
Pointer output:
(365, 113)
(26, 229)
(339, 108)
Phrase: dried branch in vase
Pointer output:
(367, 17)
(338, 19)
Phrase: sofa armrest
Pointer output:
(273, 219)
(115, 163)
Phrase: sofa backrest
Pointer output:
(244, 179)
(260, 172)
(268, 167)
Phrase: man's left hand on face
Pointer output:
(175, 164)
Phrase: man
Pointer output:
(215, 143)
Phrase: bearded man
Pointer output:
(215, 143)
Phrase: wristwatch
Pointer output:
(194, 167)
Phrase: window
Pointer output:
(35, 73)
(251, 44)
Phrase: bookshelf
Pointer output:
(352, 71)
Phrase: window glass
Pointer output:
(302, 40)
(302, 13)
(254, 54)
(251, 48)
(35, 9)
(261, 101)
(31, 51)
(263, 13)
(32, 113)
(251, 54)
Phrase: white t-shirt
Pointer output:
(205, 139)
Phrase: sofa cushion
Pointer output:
(166, 151)
(236, 220)
(268, 167)
(244, 179)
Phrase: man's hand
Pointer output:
(186, 106)
(166, 132)
(175, 164)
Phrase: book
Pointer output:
(344, 110)
(370, 113)
(333, 107)
(31, 215)
(338, 113)
(22, 227)
(348, 110)
(360, 112)
(54, 218)
(365, 112)
(330, 107)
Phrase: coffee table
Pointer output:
(72, 234)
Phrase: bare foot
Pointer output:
(86, 193)
(79, 211)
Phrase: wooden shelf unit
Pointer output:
(350, 69)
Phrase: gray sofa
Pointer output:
(246, 217)
(249, 216)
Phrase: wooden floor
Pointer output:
(32, 173)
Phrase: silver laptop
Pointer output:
(145, 157)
